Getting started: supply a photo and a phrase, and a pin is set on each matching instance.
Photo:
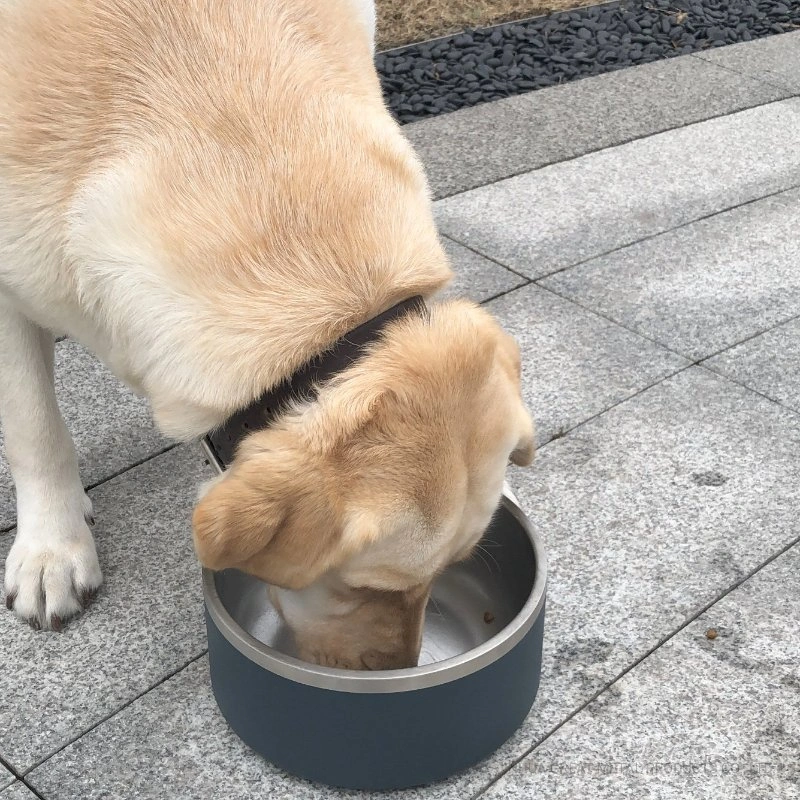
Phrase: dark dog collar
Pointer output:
(305, 382)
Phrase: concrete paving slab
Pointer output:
(17, 791)
(703, 287)
(486, 143)
(476, 277)
(767, 363)
(648, 514)
(6, 778)
(146, 622)
(575, 363)
(652, 508)
(774, 60)
(701, 718)
(111, 427)
(567, 213)
(171, 744)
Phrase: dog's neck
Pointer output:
(210, 377)
(304, 383)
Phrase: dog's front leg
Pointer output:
(52, 567)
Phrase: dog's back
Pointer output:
(200, 177)
(82, 80)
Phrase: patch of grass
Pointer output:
(405, 21)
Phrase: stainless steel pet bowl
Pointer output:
(476, 681)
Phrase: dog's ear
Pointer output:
(524, 452)
(279, 512)
(508, 356)
(268, 516)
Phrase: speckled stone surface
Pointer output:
(6, 778)
(17, 791)
(111, 427)
(491, 141)
(566, 213)
(575, 363)
(701, 718)
(774, 60)
(146, 622)
(158, 747)
(171, 744)
(476, 277)
(767, 363)
(648, 513)
(704, 287)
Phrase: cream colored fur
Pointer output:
(207, 194)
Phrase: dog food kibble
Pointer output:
(711, 633)
(488, 618)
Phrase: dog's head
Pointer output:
(350, 506)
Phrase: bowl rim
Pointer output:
(395, 680)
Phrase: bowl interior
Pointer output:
(470, 603)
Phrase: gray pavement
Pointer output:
(567, 213)
(18, 791)
(700, 718)
(647, 257)
(774, 61)
(486, 143)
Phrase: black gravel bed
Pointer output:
(468, 68)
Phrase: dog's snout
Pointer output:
(377, 660)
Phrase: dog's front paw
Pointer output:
(52, 572)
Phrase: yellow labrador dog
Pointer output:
(208, 194)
